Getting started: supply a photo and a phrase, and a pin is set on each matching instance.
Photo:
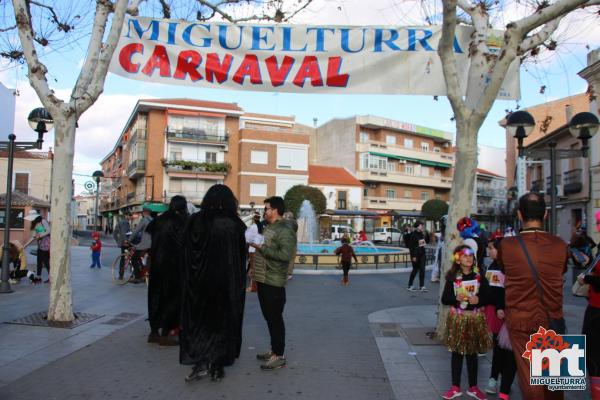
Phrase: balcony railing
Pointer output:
(197, 166)
(558, 180)
(137, 134)
(136, 167)
(400, 177)
(201, 135)
(573, 181)
(485, 192)
(537, 185)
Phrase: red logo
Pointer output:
(545, 339)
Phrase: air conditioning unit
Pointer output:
(401, 161)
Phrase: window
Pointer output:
(366, 191)
(376, 162)
(391, 167)
(438, 196)
(259, 157)
(342, 201)
(364, 137)
(22, 182)
(294, 158)
(175, 185)
(409, 169)
(258, 189)
(211, 157)
(175, 154)
(389, 139)
(437, 150)
(408, 143)
(16, 218)
(408, 194)
(390, 193)
(437, 173)
(424, 171)
(424, 146)
(425, 196)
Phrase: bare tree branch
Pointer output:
(446, 53)
(61, 25)
(545, 15)
(540, 37)
(165, 8)
(278, 15)
(10, 28)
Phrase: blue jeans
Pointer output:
(95, 259)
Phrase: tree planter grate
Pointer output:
(41, 319)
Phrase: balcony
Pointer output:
(196, 169)
(573, 181)
(385, 203)
(537, 185)
(443, 160)
(137, 135)
(376, 175)
(136, 169)
(485, 192)
(194, 197)
(207, 136)
(558, 181)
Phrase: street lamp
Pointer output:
(40, 121)
(519, 125)
(97, 175)
(582, 126)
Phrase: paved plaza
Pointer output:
(364, 341)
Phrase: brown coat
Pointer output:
(524, 310)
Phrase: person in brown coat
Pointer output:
(524, 311)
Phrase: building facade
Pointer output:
(32, 173)
(592, 75)
(400, 165)
(489, 201)
(83, 218)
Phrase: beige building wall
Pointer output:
(39, 172)
(336, 143)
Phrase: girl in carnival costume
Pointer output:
(469, 231)
(466, 291)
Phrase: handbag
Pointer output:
(558, 325)
(580, 290)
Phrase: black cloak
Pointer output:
(214, 292)
(164, 287)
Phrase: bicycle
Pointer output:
(127, 257)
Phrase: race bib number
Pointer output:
(495, 278)
(422, 242)
(467, 288)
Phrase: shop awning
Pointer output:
(156, 207)
(414, 160)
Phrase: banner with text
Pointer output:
(295, 58)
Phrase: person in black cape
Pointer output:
(164, 286)
(213, 286)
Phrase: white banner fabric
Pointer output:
(295, 58)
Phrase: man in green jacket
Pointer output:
(271, 263)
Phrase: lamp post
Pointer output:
(40, 121)
(583, 126)
(97, 175)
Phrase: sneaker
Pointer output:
(411, 288)
(492, 386)
(198, 371)
(475, 393)
(503, 396)
(424, 289)
(275, 362)
(47, 280)
(452, 393)
(264, 356)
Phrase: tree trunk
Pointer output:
(61, 301)
(461, 196)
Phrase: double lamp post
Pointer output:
(583, 126)
(40, 121)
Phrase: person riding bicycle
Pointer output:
(141, 241)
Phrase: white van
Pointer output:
(386, 234)
(337, 231)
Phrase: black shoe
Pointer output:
(216, 372)
(198, 371)
(153, 338)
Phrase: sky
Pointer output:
(102, 124)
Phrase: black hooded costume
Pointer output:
(214, 277)
(164, 287)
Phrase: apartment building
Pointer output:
(174, 147)
(169, 147)
(489, 202)
(401, 165)
(341, 189)
(272, 157)
(83, 215)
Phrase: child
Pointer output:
(96, 248)
(503, 360)
(466, 331)
(16, 254)
(347, 253)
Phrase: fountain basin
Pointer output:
(315, 256)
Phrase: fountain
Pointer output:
(307, 224)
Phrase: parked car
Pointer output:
(337, 231)
(386, 234)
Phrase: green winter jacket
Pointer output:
(271, 261)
